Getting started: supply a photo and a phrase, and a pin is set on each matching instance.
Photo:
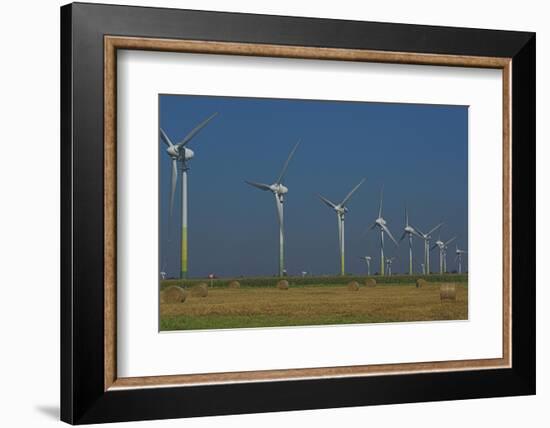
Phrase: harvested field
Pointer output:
(313, 305)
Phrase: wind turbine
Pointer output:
(410, 231)
(278, 190)
(367, 260)
(388, 265)
(341, 211)
(180, 155)
(458, 258)
(427, 238)
(382, 226)
(442, 253)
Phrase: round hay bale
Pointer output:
(282, 284)
(420, 282)
(234, 284)
(370, 282)
(447, 292)
(353, 286)
(200, 290)
(173, 294)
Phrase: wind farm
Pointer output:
(241, 263)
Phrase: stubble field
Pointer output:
(248, 307)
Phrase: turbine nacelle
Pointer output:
(340, 209)
(279, 189)
(426, 236)
(409, 229)
(188, 153)
(173, 152)
(178, 152)
(380, 221)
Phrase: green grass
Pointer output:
(313, 305)
(320, 281)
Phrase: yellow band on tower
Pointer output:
(184, 252)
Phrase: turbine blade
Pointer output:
(373, 226)
(406, 215)
(415, 261)
(260, 186)
(415, 233)
(389, 234)
(195, 130)
(381, 195)
(403, 236)
(174, 182)
(433, 246)
(165, 138)
(326, 201)
(450, 240)
(435, 228)
(418, 230)
(348, 196)
(285, 166)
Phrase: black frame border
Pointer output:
(83, 399)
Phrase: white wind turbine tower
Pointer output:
(442, 253)
(410, 231)
(427, 238)
(367, 260)
(382, 226)
(180, 155)
(341, 211)
(388, 265)
(279, 190)
(458, 258)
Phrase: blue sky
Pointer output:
(419, 153)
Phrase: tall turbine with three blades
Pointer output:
(180, 155)
(382, 226)
(442, 253)
(410, 231)
(458, 258)
(341, 211)
(427, 238)
(279, 190)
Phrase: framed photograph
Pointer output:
(266, 213)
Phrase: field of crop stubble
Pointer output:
(306, 303)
